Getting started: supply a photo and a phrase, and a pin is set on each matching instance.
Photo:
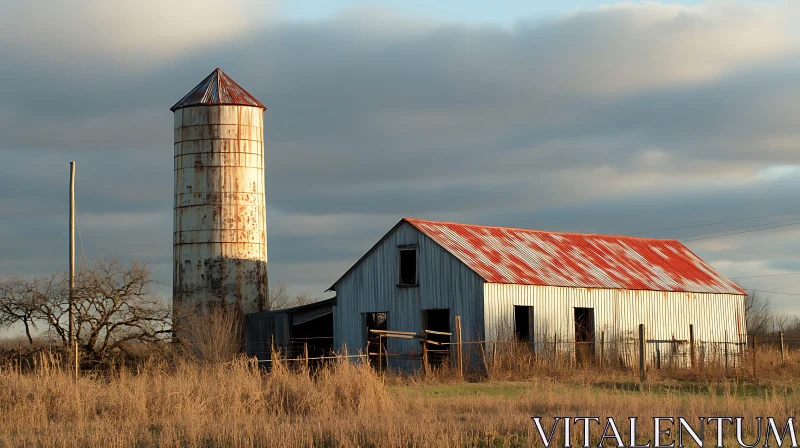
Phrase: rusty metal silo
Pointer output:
(220, 230)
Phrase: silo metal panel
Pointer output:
(228, 216)
(178, 118)
(208, 179)
(191, 147)
(204, 199)
(226, 159)
(221, 235)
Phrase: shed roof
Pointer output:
(217, 89)
(533, 257)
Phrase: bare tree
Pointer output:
(792, 330)
(279, 299)
(781, 322)
(304, 299)
(758, 314)
(114, 306)
(21, 300)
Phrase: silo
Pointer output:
(219, 222)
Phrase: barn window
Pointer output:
(408, 265)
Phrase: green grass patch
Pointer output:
(696, 388)
(511, 389)
(487, 389)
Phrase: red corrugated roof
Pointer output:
(533, 257)
(217, 89)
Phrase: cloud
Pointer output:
(631, 117)
(129, 35)
(652, 44)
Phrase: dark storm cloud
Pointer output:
(619, 119)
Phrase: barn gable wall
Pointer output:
(371, 286)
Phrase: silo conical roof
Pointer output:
(217, 89)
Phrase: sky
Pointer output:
(573, 116)
(475, 12)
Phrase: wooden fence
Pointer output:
(639, 355)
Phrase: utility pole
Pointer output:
(71, 254)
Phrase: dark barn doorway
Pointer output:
(584, 335)
(316, 333)
(377, 344)
(523, 324)
(437, 320)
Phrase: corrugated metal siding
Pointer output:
(532, 257)
(444, 282)
(618, 313)
(264, 329)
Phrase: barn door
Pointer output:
(377, 345)
(531, 332)
(584, 335)
(523, 324)
(437, 320)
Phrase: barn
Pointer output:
(537, 286)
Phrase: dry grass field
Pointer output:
(185, 403)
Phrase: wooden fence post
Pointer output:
(726, 352)
(513, 350)
(783, 353)
(459, 350)
(701, 360)
(483, 357)
(305, 353)
(425, 356)
(380, 354)
(691, 346)
(368, 353)
(555, 350)
(642, 376)
(494, 354)
(754, 356)
(658, 356)
(602, 345)
(386, 354)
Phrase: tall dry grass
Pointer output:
(211, 335)
(340, 405)
(187, 404)
(510, 361)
